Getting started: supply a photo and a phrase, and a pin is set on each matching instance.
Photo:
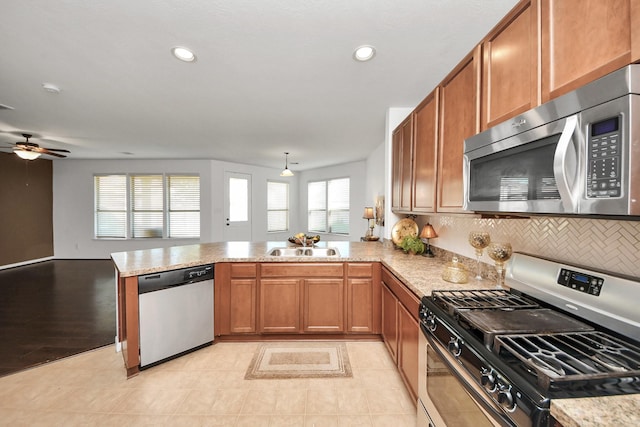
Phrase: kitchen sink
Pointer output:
(304, 252)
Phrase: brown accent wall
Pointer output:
(26, 209)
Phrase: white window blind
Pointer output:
(317, 205)
(328, 206)
(184, 206)
(277, 206)
(338, 205)
(147, 206)
(111, 206)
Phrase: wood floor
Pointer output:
(55, 309)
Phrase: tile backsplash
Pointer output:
(609, 245)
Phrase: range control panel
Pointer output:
(605, 156)
(580, 282)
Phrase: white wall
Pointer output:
(73, 203)
(376, 184)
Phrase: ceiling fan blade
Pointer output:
(49, 153)
(62, 150)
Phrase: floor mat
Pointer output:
(300, 360)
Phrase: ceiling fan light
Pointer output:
(27, 155)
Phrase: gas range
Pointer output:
(560, 331)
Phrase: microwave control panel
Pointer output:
(604, 152)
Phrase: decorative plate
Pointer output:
(404, 227)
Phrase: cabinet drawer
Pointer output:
(290, 269)
(243, 270)
(360, 269)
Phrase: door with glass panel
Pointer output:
(237, 207)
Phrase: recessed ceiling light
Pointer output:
(183, 54)
(364, 53)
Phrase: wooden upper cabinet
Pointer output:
(396, 168)
(402, 140)
(425, 152)
(406, 132)
(459, 119)
(583, 40)
(635, 31)
(510, 66)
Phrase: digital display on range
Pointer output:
(586, 283)
(605, 126)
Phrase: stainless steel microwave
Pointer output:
(578, 154)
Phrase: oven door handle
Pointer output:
(473, 393)
(565, 165)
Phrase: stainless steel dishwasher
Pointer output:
(176, 313)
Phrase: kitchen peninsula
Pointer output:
(418, 275)
(399, 281)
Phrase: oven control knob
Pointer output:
(488, 379)
(455, 346)
(505, 398)
(431, 321)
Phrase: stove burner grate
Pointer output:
(455, 300)
(577, 357)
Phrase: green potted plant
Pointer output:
(412, 245)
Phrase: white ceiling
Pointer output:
(271, 75)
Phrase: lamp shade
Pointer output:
(428, 232)
(368, 213)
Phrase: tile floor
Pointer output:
(204, 388)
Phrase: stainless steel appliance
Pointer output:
(578, 154)
(176, 313)
(499, 357)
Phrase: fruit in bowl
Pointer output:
(303, 239)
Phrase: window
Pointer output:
(146, 206)
(328, 204)
(277, 206)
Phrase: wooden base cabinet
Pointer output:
(400, 328)
(280, 305)
(390, 322)
(363, 309)
(323, 305)
(301, 298)
(235, 297)
(292, 298)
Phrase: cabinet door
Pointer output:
(407, 146)
(582, 40)
(323, 305)
(510, 66)
(409, 331)
(459, 106)
(360, 305)
(396, 169)
(242, 309)
(390, 322)
(402, 140)
(280, 305)
(425, 149)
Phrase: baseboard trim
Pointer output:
(31, 261)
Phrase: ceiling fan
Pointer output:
(31, 151)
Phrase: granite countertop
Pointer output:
(597, 411)
(420, 274)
